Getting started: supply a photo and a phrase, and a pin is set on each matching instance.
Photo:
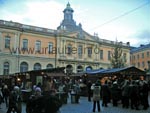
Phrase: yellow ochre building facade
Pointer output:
(25, 47)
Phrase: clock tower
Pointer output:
(68, 22)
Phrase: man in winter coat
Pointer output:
(96, 97)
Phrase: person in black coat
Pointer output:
(89, 90)
(144, 95)
(134, 95)
(125, 95)
(14, 98)
(105, 93)
(115, 92)
(35, 102)
(6, 94)
(52, 103)
(43, 104)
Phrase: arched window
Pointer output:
(6, 68)
(37, 66)
(49, 66)
(88, 68)
(23, 67)
(79, 68)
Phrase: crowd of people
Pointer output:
(131, 93)
(40, 100)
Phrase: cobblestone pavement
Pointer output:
(86, 107)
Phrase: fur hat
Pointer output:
(16, 88)
(38, 89)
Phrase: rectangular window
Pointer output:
(109, 55)
(130, 58)
(6, 72)
(143, 64)
(101, 54)
(38, 46)
(50, 47)
(80, 50)
(147, 54)
(89, 52)
(7, 42)
(133, 57)
(138, 56)
(142, 55)
(124, 57)
(69, 49)
(6, 68)
(138, 64)
(25, 44)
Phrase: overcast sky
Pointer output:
(121, 20)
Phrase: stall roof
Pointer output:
(130, 69)
(51, 70)
(96, 71)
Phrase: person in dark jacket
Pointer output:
(105, 93)
(14, 99)
(43, 104)
(134, 95)
(144, 95)
(6, 94)
(35, 102)
(52, 103)
(89, 90)
(125, 95)
(115, 92)
(1, 98)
